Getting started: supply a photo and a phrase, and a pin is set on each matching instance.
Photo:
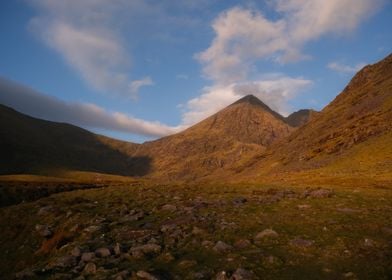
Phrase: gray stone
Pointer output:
(299, 242)
(76, 252)
(102, 252)
(87, 257)
(239, 200)
(90, 268)
(222, 247)
(267, 233)
(242, 243)
(242, 274)
(43, 230)
(146, 275)
(117, 249)
(169, 207)
(222, 275)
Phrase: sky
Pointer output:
(139, 70)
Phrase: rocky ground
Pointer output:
(200, 232)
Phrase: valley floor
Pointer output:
(200, 232)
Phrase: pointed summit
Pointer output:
(250, 99)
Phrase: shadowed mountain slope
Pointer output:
(301, 117)
(30, 145)
(353, 133)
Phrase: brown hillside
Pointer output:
(221, 141)
(353, 133)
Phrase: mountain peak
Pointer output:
(251, 99)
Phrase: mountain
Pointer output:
(30, 145)
(352, 135)
(301, 117)
(222, 141)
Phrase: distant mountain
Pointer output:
(221, 141)
(301, 117)
(246, 140)
(352, 134)
(30, 145)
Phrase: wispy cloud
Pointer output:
(137, 84)
(86, 34)
(86, 115)
(344, 68)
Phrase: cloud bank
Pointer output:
(87, 115)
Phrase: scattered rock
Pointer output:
(102, 252)
(25, 274)
(318, 193)
(222, 247)
(146, 275)
(76, 252)
(239, 200)
(166, 257)
(169, 207)
(90, 268)
(299, 242)
(45, 210)
(63, 262)
(87, 257)
(132, 217)
(267, 233)
(242, 274)
(207, 243)
(117, 249)
(198, 231)
(369, 242)
(303, 206)
(187, 263)
(349, 275)
(92, 229)
(122, 275)
(348, 210)
(242, 243)
(44, 231)
(146, 249)
(222, 276)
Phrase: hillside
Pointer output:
(221, 141)
(30, 145)
(352, 134)
(301, 117)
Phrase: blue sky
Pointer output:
(138, 70)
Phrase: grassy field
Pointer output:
(201, 232)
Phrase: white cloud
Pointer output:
(275, 92)
(243, 36)
(86, 115)
(137, 84)
(345, 69)
(86, 36)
